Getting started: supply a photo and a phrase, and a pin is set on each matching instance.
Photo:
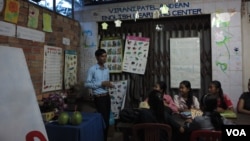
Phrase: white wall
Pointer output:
(245, 20)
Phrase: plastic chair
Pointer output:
(205, 135)
(151, 132)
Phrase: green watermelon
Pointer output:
(63, 118)
(76, 118)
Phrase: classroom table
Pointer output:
(91, 129)
(241, 119)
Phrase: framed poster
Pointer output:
(70, 68)
(52, 69)
(113, 47)
(135, 54)
(185, 61)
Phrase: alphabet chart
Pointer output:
(52, 69)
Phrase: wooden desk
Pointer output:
(242, 119)
(91, 129)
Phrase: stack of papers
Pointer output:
(229, 114)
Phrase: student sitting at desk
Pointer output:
(244, 102)
(210, 119)
(157, 114)
(185, 101)
(170, 106)
(224, 102)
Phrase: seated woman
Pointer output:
(157, 114)
(224, 102)
(170, 106)
(185, 101)
(244, 102)
(209, 120)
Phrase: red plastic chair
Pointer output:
(205, 135)
(151, 131)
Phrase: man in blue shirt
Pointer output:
(98, 81)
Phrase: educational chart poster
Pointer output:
(113, 48)
(185, 61)
(21, 119)
(135, 54)
(52, 69)
(118, 95)
(70, 69)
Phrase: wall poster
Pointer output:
(113, 47)
(135, 54)
(185, 61)
(52, 69)
(70, 69)
(118, 95)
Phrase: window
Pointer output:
(62, 7)
(44, 3)
(97, 2)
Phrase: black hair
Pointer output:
(209, 104)
(163, 86)
(189, 101)
(99, 52)
(217, 85)
(155, 101)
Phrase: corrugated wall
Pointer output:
(158, 63)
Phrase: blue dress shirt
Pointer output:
(96, 75)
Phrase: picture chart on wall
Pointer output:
(135, 54)
(118, 95)
(52, 69)
(113, 47)
(70, 68)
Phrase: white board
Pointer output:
(21, 118)
(185, 61)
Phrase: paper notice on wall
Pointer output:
(185, 61)
(7, 29)
(21, 118)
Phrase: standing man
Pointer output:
(98, 81)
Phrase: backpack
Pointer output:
(129, 115)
